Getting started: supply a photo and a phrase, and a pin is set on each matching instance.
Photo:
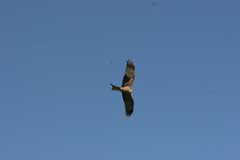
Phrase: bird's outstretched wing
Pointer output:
(128, 102)
(128, 80)
(129, 75)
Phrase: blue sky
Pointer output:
(57, 59)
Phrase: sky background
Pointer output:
(58, 57)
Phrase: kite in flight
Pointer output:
(126, 87)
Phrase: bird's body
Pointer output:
(126, 87)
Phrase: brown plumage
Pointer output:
(126, 87)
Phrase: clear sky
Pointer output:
(58, 57)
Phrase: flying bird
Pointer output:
(126, 87)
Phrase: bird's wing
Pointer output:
(129, 75)
(128, 102)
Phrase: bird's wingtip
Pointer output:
(130, 62)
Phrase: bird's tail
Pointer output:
(115, 88)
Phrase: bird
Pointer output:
(126, 88)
